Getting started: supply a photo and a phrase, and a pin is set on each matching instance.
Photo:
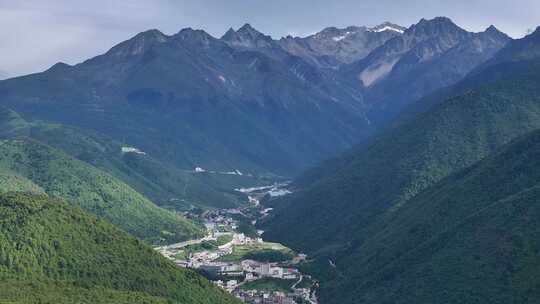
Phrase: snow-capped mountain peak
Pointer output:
(387, 26)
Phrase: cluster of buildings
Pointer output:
(232, 275)
(250, 270)
(265, 297)
(207, 258)
(230, 285)
(218, 220)
(255, 270)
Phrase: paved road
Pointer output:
(298, 282)
(185, 243)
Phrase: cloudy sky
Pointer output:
(35, 34)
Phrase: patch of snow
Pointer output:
(339, 38)
(386, 28)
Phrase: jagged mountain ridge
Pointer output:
(239, 102)
(333, 47)
(354, 197)
(239, 109)
(430, 55)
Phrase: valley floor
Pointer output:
(238, 260)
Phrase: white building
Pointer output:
(132, 150)
(264, 269)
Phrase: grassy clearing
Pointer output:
(224, 239)
(258, 251)
(204, 246)
(269, 284)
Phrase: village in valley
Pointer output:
(235, 257)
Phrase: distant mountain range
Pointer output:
(246, 101)
(429, 55)
(333, 47)
(354, 200)
(425, 118)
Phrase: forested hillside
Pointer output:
(339, 207)
(59, 175)
(472, 238)
(403, 161)
(55, 253)
(163, 183)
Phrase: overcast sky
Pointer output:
(35, 34)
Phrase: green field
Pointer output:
(224, 239)
(204, 246)
(269, 284)
(258, 251)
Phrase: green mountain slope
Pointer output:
(472, 238)
(10, 181)
(343, 205)
(163, 183)
(383, 175)
(62, 176)
(31, 292)
(51, 252)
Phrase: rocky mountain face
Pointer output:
(333, 47)
(431, 54)
(249, 102)
(195, 100)
(522, 50)
(247, 37)
(355, 200)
